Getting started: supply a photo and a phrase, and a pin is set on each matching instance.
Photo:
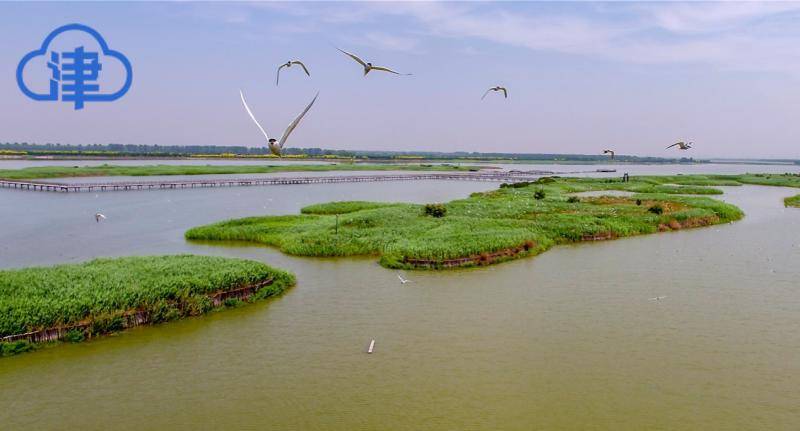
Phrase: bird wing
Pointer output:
(484, 94)
(505, 92)
(677, 143)
(253, 116)
(386, 69)
(278, 75)
(305, 69)
(400, 277)
(354, 57)
(296, 121)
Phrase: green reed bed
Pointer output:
(44, 172)
(493, 226)
(102, 290)
(793, 201)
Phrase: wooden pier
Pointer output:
(42, 186)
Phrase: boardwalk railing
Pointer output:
(508, 177)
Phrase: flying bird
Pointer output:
(369, 66)
(276, 145)
(289, 64)
(98, 217)
(657, 298)
(609, 152)
(682, 145)
(402, 280)
(497, 88)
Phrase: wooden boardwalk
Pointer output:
(41, 186)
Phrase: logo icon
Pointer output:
(75, 73)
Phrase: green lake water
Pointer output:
(566, 340)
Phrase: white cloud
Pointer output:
(734, 35)
(731, 35)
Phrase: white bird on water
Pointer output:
(289, 64)
(276, 145)
(657, 298)
(369, 66)
(496, 89)
(402, 280)
(98, 217)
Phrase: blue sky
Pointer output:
(582, 76)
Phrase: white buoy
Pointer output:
(371, 346)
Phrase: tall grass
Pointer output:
(40, 297)
(43, 172)
(485, 222)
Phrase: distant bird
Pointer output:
(276, 145)
(369, 66)
(609, 152)
(289, 64)
(98, 217)
(682, 145)
(657, 298)
(402, 280)
(497, 88)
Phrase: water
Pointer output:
(566, 340)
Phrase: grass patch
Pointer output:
(98, 296)
(487, 227)
(343, 207)
(44, 172)
(793, 201)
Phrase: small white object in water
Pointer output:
(98, 217)
(402, 280)
(371, 346)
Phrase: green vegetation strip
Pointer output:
(514, 221)
(778, 180)
(43, 172)
(101, 295)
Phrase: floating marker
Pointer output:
(371, 346)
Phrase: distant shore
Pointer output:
(44, 172)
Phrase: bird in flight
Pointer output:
(98, 217)
(289, 64)
(657, 298)
(402, 280)
(369, 66)
(276, 145)
(682, 145)
(497, 88)
(609, 152)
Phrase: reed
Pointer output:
(101, 290)
(507, 223)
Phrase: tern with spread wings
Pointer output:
(276, 145)
(682, 145)
(289, 64)
(369, 66)
(497, 88)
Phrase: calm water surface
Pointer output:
(566, 340)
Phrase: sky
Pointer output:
(582, 76)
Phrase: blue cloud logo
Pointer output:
(74, 75)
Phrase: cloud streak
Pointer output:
(740, 36)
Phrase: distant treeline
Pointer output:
(120, 150)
